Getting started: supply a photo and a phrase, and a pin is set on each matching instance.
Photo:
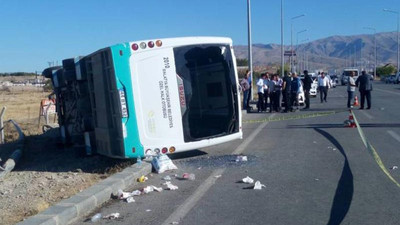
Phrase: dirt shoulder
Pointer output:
(47, 172)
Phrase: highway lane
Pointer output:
(315, 172)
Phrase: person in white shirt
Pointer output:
(260, 88)
(351, 88)
(323, 85)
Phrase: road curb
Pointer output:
(79, 205)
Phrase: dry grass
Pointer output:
(23, 107)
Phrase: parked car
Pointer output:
(397, 79)
(391, 79)
(314, 88)
(346, 74)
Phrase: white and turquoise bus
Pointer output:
(144, 97)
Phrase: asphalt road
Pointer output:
(315, 172)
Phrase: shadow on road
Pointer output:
(345, 188)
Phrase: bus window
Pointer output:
(211, 105)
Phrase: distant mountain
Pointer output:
(329, 53)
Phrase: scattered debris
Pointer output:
(394, 168)
(111, 216)
(142, 179)
(148, 210)
(247, 180)
(167, 178)
(95, 218)
(170, 186)
(316, 179)
(136, 193)
(148, 189)
(218, 176)
(241, 158)
(334, 149)
(158, 189)
(314, 142)
(162, 163)
(188, 176)
(330, 147)
(130, 199)
(123, 195)
(258, 185)
(175, 222)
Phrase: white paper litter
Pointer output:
(162, 163)
(123, 195)
(130, 199)
(258, 185)
(394, 168)
(170, 186)
(136, 193)
(167, 178)
(248, 180)
(241, 158)
(218, 176)
(111, 216)
(158, 189)
(148, 189)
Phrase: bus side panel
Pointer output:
(132, 145)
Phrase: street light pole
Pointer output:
(250, 63)
(376, 57)
(282, 50)
(398, 40)
(297, 44)
(291, 40)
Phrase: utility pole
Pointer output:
(291, 40)
(398, 39)
(376, 56)
(250, 63)
(282, 50)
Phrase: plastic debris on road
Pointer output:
(148, 189)
(258, 185)
(247, 180)
(123, 195)
(148, 210)
(111, 216)
(95, 218)
(158, 189)
(142, 179)
(218, 176)
(136, 193)
(162, 163)
(241, 158)
(130, 200)
(188, 176)
(394, 168)
(175, 222)
(167, 178)
(170, 186)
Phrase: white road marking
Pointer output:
(366, 114)
(394, 135)
(390, 92)
(192, 200)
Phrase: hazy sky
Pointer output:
(36, 32)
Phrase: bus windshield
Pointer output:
(208, 97)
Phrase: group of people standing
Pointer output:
(271, 89)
